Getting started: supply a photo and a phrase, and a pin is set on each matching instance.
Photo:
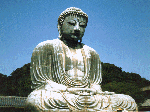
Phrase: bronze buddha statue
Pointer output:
(66, 74)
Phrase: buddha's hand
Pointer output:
(82, 91)
(55, 86)
(124, 101)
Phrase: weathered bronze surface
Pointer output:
(66, 74)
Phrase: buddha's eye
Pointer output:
(82, 24)
(72, 23)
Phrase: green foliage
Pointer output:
(129, 88)
(115, 80)
(111, 73)
(3, 83)
(18, 83)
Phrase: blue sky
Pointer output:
(119, 30)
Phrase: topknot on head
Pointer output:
(71, 10)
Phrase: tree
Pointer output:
(19, 83)
(3, 84)
(115, 80)
(129, 88)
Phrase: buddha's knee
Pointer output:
(43, 99)
(33, 101)
(123, 101)
(33, 97)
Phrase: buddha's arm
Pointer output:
(95, 77)
(46, 68)
(51, 85)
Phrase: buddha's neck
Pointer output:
(72, 44)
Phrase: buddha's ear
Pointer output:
(59, 30)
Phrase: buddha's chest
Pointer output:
(75, 63)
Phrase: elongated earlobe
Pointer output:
(59, 31)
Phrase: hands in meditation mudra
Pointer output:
(66, 74)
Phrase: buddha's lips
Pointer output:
(76, 34)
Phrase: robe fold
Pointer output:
(48, 64)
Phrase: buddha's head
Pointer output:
(72, 23)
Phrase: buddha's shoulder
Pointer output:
(90, 51)
(88, 48)
(53, 43)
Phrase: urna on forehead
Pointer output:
(71, 11)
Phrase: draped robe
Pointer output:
(48, 63)
(50, 80)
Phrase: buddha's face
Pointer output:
(73, 27)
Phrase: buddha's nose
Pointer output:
(77, 27)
